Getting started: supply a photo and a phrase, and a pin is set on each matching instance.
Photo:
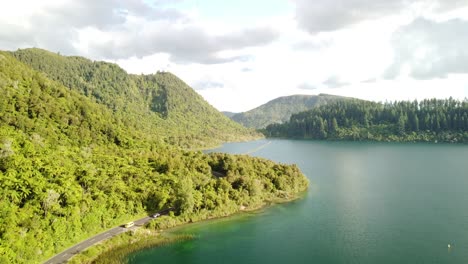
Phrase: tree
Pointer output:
(333, 126)
(322, 133)
(416, 123)
(185, 199)
(50, 201)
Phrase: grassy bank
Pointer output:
(116, 249)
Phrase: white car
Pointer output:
(155, 215)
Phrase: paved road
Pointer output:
(67, 254)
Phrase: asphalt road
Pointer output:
(67, 254)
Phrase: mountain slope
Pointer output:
(280, 109)
(162, 102)
(71, 167)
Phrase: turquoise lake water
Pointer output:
(367, 203)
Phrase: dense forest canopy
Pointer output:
(157, 103)
(80, 154)
(427, 120)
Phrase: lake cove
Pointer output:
(367, 203)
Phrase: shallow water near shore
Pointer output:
(367, 203)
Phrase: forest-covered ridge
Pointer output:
(72, 166)
(228, 114)
(430, 120)
(279, 110)
(157, 103)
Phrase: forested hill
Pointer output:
(160, 103)
(280, 109)
(426, 121)
(71, 166)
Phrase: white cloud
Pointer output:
(331, 15)
(110, 29)
(353, 56)
(185, 42)
(426, 49)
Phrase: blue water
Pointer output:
(367, 203)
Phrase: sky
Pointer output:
(243, 53)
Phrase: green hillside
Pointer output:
(157, 103)
(280, 109)
(73, 164)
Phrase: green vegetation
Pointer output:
(72, 166)
(116, 250)
(280, 109)
(425, 121)
(159, 103)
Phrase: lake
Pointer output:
(367, 203)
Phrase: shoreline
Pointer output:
(158, 237)
(298, 196)
(334, 140)
(220, 144)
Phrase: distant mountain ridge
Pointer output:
(229, 114)
(280, 109)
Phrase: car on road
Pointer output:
(128, 225)
(156, 215)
